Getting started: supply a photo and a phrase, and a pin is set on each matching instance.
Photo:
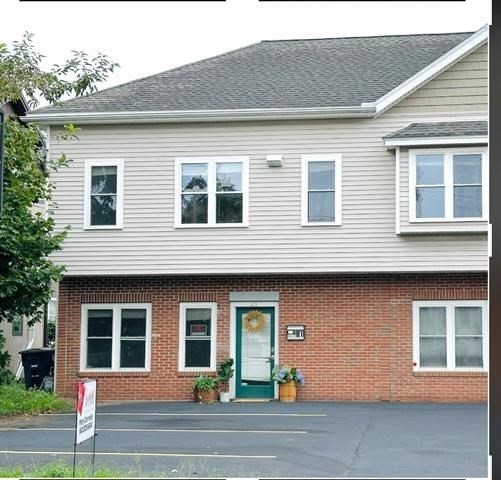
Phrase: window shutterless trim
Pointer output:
(183, 306)
(211, 162)
(449, 305)
(102, 162)
(116, 337)
(338, 169)
(448, 154)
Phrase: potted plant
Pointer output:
(224, 373)
(205, 389)
(288, 379)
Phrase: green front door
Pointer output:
(255, 352)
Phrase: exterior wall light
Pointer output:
(274, 160)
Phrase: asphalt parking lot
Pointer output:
(304, 439)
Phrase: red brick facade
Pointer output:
(358, 344)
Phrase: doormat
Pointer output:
(252, 400)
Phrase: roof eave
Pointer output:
(89, 118)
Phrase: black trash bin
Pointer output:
(38, 363)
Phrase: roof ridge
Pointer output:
(367, 36)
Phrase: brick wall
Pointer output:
(358, 333)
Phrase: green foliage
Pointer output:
(205, 383)
(11, 472)
(21, 74)
(51, 334)
(57, 469)
(27, 231)
(27, 235)
(284, 374)
(6, 376)
(225, 370)
(16, 400)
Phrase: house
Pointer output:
(318, 203)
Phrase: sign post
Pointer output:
(85, 426)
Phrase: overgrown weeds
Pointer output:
(16, 400)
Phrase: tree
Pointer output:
(27, 234)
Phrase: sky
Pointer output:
(150, 37)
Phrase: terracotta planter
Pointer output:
(287, 391)
(205, 396)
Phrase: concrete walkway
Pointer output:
(304, 439)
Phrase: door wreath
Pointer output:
(254, 321)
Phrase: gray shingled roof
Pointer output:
(441, 129)
(334, 72)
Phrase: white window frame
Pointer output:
(211, 162)
(448, 184)
(450, 305)
(103, 162)
(338, 171)
(115, 355)
(183, 306)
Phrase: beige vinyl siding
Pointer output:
(461, 88)
(274, 240)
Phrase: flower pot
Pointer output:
(287, 391)
(224, 397)
(205, 396)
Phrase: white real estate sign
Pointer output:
(86, 411)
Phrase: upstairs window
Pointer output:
(450, 335)
(103, 194)
(448, 185)
(211, 191)
(321, 189)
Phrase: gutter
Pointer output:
(89, 118)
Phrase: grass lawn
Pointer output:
(56, 469)
(16, 400)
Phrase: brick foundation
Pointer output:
(358, 344)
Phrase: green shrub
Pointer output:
(6, 376)
(205, 383)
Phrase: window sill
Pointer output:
(206, 226)
(104, 227)
(321, 224)
(450, 373)
(114, 373)
(196, 373)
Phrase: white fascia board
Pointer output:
(199, 115)
(430, 71)
(445, 229)
(424, 141)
